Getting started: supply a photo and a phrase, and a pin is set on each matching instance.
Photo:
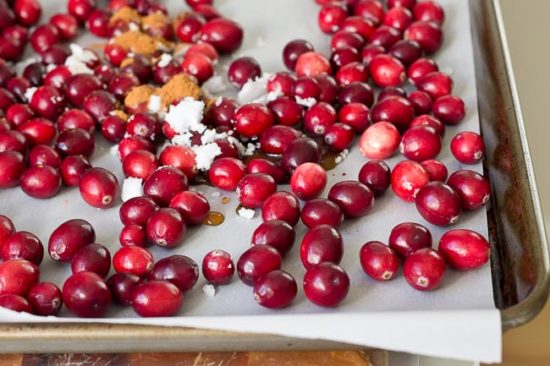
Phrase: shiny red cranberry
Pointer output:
(355, 115)
(156, 299)
(92, 258)
(252, 119)
(17, 276)
(424, 269)
(307, 88)
(187, 30)
(133, 259)
(86, 295)
(139, 164)
(115, 53)
(379, 141)
(180, 157)
(66, 25)
(370, 51)
(56, 55)
(68, 238)
(7, 229)
(391, 91)
(468, 147)
(40, 181)
(436, 170)
(44, 37)
(57, 77)
(420, 143)
(394, 109)
(121, 286)
(15, 303)
(225, 173)
(72, 168)
(356, 24)
(121, 84)
(344, 55)
(339, 136)
(385, 36)
(308, 181)
(387, 71)
(438, 203)
(408, 237)
(321, 211)
(45, 299)
(449, 109)
(99, 104)
(137, 210)
(286, 111)
(376, 175)
(352, 72)
(221, 113)
(80, 9)
(281, 206)
(192, 206)
(398, 17)
(75, 118)
(421, 102)
(242, 70)
(44, 155)
(354, 198)
(407, 178)
(427, 34)
(165, 183)
(256, 262)
(75, 141)
(348, 40)
(379, 261)
(293, 50)
(331, 17)
(199, 66)
(218, 267)
(281, 83)
(420, 68)
(11, 49)
(429, 121)
(326, 284)
(464, 249)
(13, 141)
(133, 235)
(166, 228)
(259, 165)
(311, 64)
(473, 189)
(275, 233)
(429, 11)
(23, 245)
(275, 290)
(129, 144)
(254, 189)
(299, 151)
(328, 88)
(322, 243)
(79, 86)
(98, 23)
(17, 114)
(406, 51)
(38, 130)
(371, 10)
(436, 84)
(48, 102)
(180, 270)
(277, 138)
(224, 34)
(99, 188)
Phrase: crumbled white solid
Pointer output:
(78, 60)
(254, 90)
(211, 135)
(183, 139)
(247, 213)
(272, 95)
(186, 116)
(216, 194)
(209, 290)
(29, 93)
(131, 187)
(205, 155)
(215, 85)
(155, 104)
(306, 102)
(260, 42)
(342, 156)
(164, 60)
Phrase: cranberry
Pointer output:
(376, 175)
(348, 40)
(187, 30)
(218, 267)
(311, 64)
(57, 77)
(56, 55)
(129, 144)
(326, 284)
(17, 114)
(44, 37)
(199, 66)
(75, 118)
(344, 55)
(98, 23)
(299, 151)
(224, 34)
(275, 290)
(468, 147)
(387, 71)
(429, 121)
(166, 228)
(225, 173)
(308, 181)
(68, 238)
(23, 245)
(72, 168)
(7, 99)
(420, 143)
(92, 258)
(281, 83)
(180, 157)
(393, 109)
(139, 164)
(180, 270)
(15, 303)
(86, 295)
(75, 141)
(11, 49)
(7, 229)
(328, 88)
(398, 17)
(17, 276)
(438, 203)
(339, 136)
(121, 286)
(80, 9)
(408, 237)
(275, 233)
(265, 166)
(221, 113)
(66, 25)
(79, 86)
(192, 206)
(371, 51)
(286, 111)
(137, 210)
(165, 183)
(99, 104)
(429, 35)
(331, 17)
(437, 84)
(420, 68)
(252, 119)
(121, 84)
(48, 102)
(41, 181)
(99, 188)
(474, 189)
(429, 11)
(254, 189)
(133, 259)
(391, 91)
(293, 50)
(424, 269)
(449, 109)
(242, 70)
(385, 36)
(281, 206)
(379, 141)
(13, 141)
(464, 249)
(277, 138)
(45, 299)
(156, 299)
(256, 262)
(38, 130)
(307, 88)
(321, 211)
(356, 24)
(44, 155)
(407, 178)
(320, 244)
(354, 198)
(379, 261)
(352, 72)
(133, 235)
(355, 115)
(421, 102)
(436, 170)
(371, 10)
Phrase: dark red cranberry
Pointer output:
(45, 299)
(259, 165)
(256, 262)
(56, 55)
(428, 35)
(12, 166)
(224, 34)
(48, 102)
(281, 83)
(321, 211)
(222, 112)
(99, 188)
(406, 51)
(396, 110)
(75, 141)
(218, 267)
(299, 151)
(72, 168)
(11, 49)
(43, 37)
(286, 111)
(99, 104)
(408, 237)
(436, 170)
(133, 259)
(468, 147)
(282, 206)
(121, 84)
(355, 115)
(420, 143)
(407, 178)
(352, 42)
(242, 70)
(421, 102)
(79, 86)
(180, 270)
(275, 233)
(252, 119)
(464, 249)
(391, 91)
(166, 228)
(473, 189)
(379, 261)
(23, 245)
(326, 284)
(137, 211)
(225, 173)
(376, 175)
(41, 181)
(339, 136)
(371, 51)
(429, 121)
(92, 258)
(13, 141)
(328, 88)
(113, 129)
(254, 189)
(193, 207)
(379, 141)
(308, 181)
(356, 93)
(44, 155)
(424, 269)
(275, 290)
(86, 295)
(354, 198)
(429, 11)
(277, 138)
(57, 77)
(164, 184)
(38, 130)
(293, 50)
(438, 203)
(121, 286)
(436, 84)
(133, 235)
(307, 88)
(75, 118)
(17, 114)
(15, 303)
(344, 56)
(322, 243)
(7, 99)
(68, 238)
(385, 36)
(449, 109)
(156, 299)
(66, 24)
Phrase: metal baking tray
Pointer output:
(520, 260)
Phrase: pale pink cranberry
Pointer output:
(326, 284)
(137, 210)
(293, 50)
(428, 35)
(277, 138)
(464, 249)
(438, 203)
(92, 258)
(40, 181)
(253, 119)
(356, 24)
(339, 136)
(45, 299)
(218, 267)
(192, 206)
(224, 34)
(420, 143)
(449, 109)
(387, 71)
(225, 173)
(99, 188)
(286, 111)
(133, 235)
(242, 70)
(274, 170)
(18, 276)
(308, 181)
(468, 147)
(75, 141)
(67, 239)
(379, 261)
(180, 270)
(385, 36)
(429, 121)
(199, 66)
(80, 9)
(256, 262)
(331, 17)
(398, 17)
(275, 233)
(436, 84)
(394, 109)
(420, 68)
(22, 245)
(354, 198)
(429, 11)
(424, 269)
(166, 228)
(348, 40)
(407, 178)
(282, 206)
(352, 72)
(72, 168)
(379, 141)
(312, 64)
(321, 211)
(436, 170)
(275, 290)
(44, 155)
(474, 189)
(299, 151)
(165, 183)
(38, 131)
(319, 117)
(421, 102)
(408, 237)
(254, 189)
(121, 286)
(66, 24)
(356, 115)
(376, 175)
(156, 299)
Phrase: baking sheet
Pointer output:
(459, 320)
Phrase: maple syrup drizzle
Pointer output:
(328, 160)
(214, 218)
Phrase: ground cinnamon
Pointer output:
(127, 15)
(138, 96)
(141, 43)
(178, 88)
